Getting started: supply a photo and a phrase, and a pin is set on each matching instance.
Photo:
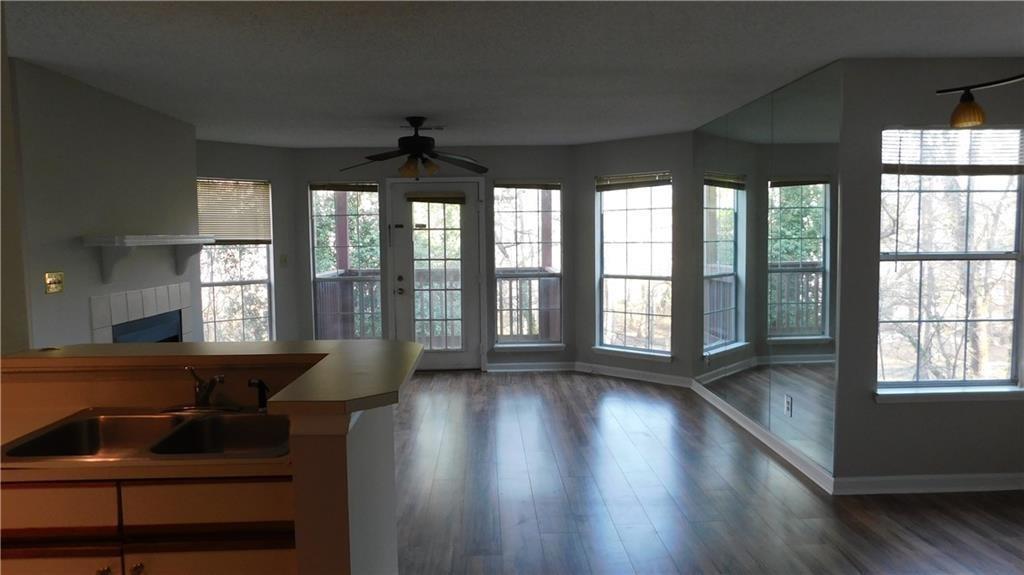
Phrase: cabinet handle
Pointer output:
(138, 569)
(105, 571)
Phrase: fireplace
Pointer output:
(158, 328)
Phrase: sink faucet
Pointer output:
(204, 388)
(261, 390)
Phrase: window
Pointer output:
(346, 261)
(797, 220)
(950, 256)
(636, 262)
(235, 272)
(437, 273)
(721, 280)
(528, 263)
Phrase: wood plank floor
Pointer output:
(574, 473)
(759, 393)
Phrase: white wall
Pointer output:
(673, 153)
(94, 163)
(907, 438)
(14, 313)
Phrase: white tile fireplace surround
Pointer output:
(120, 307)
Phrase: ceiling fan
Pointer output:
(420, 150)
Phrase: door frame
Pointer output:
(390, 203)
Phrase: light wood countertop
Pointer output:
(343, 376)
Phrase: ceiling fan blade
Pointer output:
(385, 155)
(460, 161)
(356, 166)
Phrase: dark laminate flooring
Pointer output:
(572, 473)
(759, 393)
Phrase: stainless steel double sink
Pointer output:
(112, 434)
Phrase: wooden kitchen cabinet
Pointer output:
(70, 561)
(212, 562)
(173, 526)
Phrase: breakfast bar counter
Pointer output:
(337, 396)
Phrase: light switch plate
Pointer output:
(53, 282)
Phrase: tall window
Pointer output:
(950, 256)
(528, 263)
(235, 272)
(636, 262)
(797, 220)
(346, 261)
(721, 280)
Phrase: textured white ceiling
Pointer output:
(344, 74)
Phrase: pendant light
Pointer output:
(968, 113)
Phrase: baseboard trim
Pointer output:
(727, 370)
(521, 366)
(592, 368)
(805, 465)
(886, 484)
(635, 374)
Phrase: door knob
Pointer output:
(400, 291)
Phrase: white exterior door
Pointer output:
(434, 238)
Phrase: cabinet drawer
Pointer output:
(153, 506)
(48, 561)
(234, 561)
(51, 510)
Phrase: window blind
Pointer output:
(528, 184)
(234, 211)
(953, 152)
(627, 181)
(344, 187)
(721, 180)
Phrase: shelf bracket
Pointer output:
(183, 253)
(109, 256)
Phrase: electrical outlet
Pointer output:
(53, 282)
(789, 405)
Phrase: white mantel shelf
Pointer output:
(115, 248)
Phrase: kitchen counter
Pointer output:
(350, 375)
(337, 396)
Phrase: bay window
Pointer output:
(528, 263)
(721, 273)
(797, 255)
(635, 263)
(345, 223)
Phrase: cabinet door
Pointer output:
(212, 562)
(70, 565)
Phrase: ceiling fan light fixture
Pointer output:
(967, 113)
(430, 167)
(410, 169)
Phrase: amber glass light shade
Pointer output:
(409, 169)
(430, 167)
(967, 113)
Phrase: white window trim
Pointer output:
(633, 353)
